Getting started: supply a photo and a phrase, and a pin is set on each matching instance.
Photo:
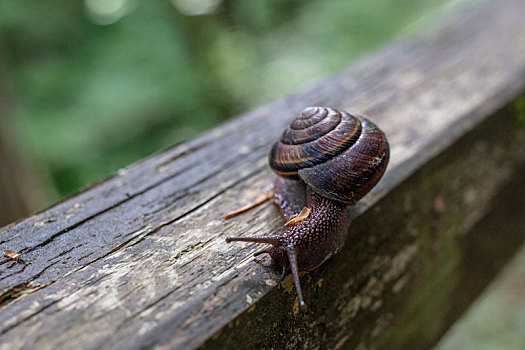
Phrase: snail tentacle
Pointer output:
(292, 259)
(273, 240)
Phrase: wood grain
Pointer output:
(140, 260)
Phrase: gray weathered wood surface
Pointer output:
(139, 260)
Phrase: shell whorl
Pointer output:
(339, 155)
(314, 136)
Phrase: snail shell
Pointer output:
(339, 155)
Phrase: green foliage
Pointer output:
(90, 98)
(517, 109)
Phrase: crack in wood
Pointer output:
(16, 292)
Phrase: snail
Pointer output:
(326, 161)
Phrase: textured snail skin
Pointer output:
(317, 237)
(327, 160)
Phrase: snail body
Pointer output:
(326, 161)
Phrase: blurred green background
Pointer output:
(95, 85)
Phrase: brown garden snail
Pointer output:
(326, 161)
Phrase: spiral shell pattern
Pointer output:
(315, 135)
(339, 155)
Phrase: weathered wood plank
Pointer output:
(140, 259)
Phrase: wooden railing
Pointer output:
(140, 260)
